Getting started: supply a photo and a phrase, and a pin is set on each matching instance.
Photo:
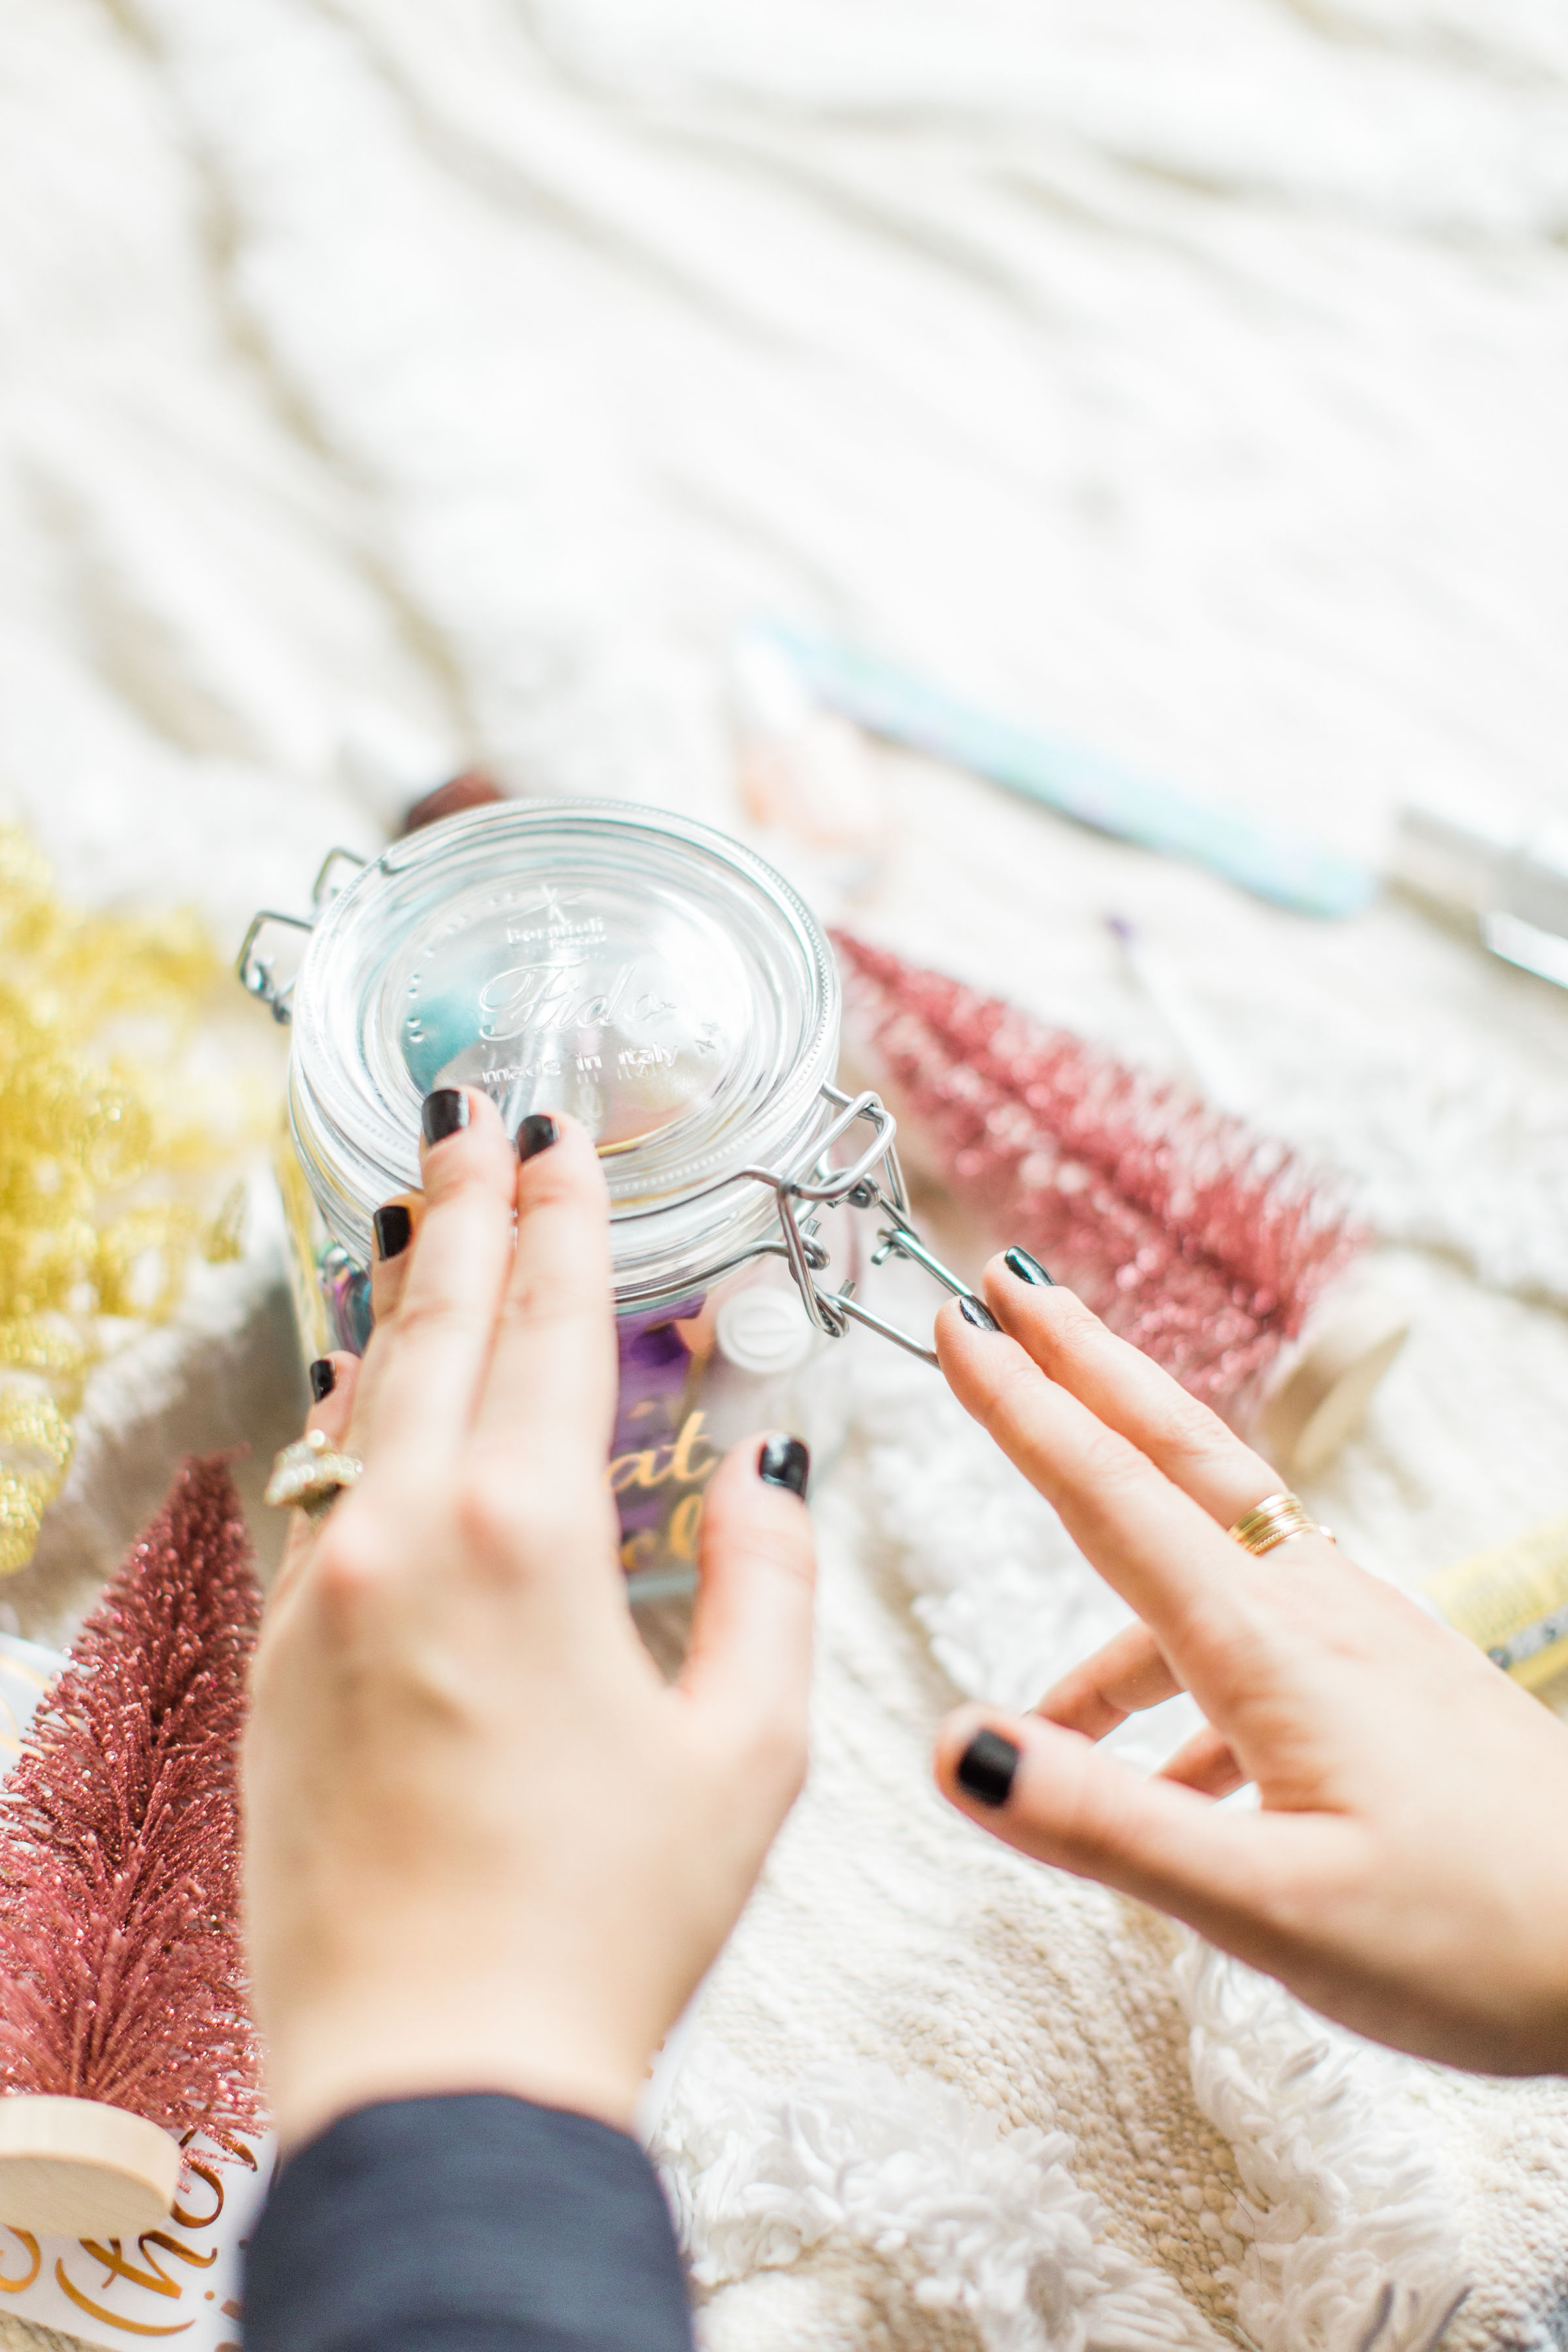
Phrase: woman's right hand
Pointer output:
(1407, 1872)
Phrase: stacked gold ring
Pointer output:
(1274, 1521)
(311, 1474)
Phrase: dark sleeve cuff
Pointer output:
(474, 2222)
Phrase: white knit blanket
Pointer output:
(384, 386)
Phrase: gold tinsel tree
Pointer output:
(105, 1148)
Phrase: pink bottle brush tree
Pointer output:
(1194, 1237)
(123, 2018)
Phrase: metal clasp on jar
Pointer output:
(812, 1184)
(815, 1183)
(257, 972)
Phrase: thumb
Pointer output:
(1051, 1793)
(748, 1668)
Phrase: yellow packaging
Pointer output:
(1512, 1602)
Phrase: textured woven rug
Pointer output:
(382, 388)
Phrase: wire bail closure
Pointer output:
(814, 1183)
(255, 971)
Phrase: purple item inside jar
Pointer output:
(659, 1457)
(654, 1360)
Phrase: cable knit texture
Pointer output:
(385, 389)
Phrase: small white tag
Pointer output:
(763, 1330)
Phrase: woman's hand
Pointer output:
(1407, 1873)
(487, 1849)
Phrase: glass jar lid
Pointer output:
(643, 972)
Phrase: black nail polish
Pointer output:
(446, 1112)
(323, 1378)
(784, 1462)
(537, 1133)
(981, 1316)
(393, 1230)
(986, 1767)
(1027, 1268)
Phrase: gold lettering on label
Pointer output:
(679, 1463)
(15, 2286)
(687, 1461)
(632, 1470)
(237, 2148)
(203, 2220)
(683, 1524)
(155, 2278)
(683, 1467)
(639, 1551)
(108, 2318)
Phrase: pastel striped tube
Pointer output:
(1075, 782)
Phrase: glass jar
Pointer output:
(664, 984)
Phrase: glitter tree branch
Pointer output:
(1197, 1238)
(121, 1969)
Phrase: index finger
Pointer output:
(551, 1391)
(1158, 1547)
(425, 1364)
(1129, 1391)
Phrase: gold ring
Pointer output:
(311, 1474)
(1274, 1521)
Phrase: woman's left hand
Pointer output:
(487, 1848)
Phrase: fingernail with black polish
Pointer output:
(323, 1378)
(393, 1230)
(537, 1133)
(986, 1767)
(981, 1316)
(784, 1462)
(1027, 1268)
(445, 1113)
